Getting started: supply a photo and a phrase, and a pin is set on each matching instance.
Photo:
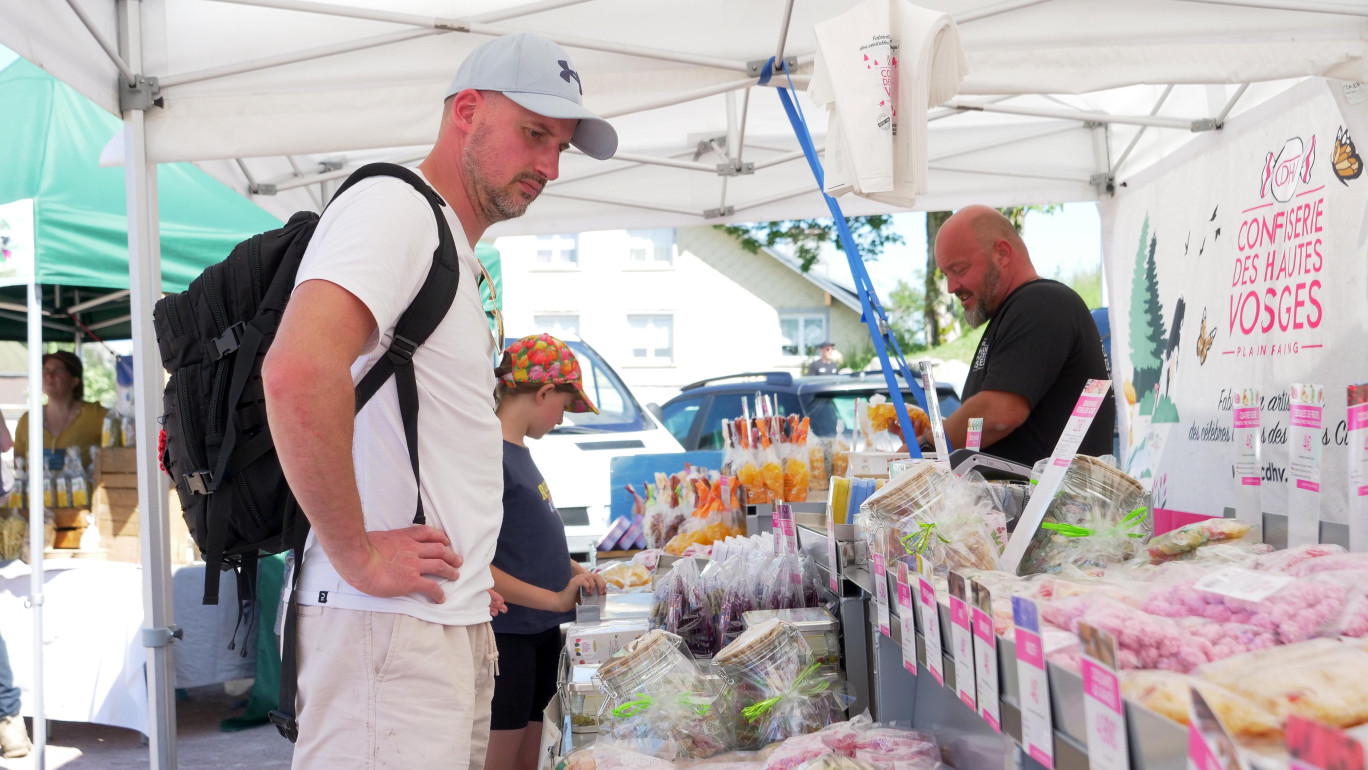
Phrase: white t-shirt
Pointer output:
(377, 241)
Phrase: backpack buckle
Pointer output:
(227, 343)
(401, 350)
(200, 482)
(285, 724)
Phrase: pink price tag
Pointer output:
(931, 630)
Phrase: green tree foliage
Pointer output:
(1147, 333)
(806, 236)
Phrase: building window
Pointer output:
(802, 333)
(651, 248)
(651, 337)
(557, 251)
(565, 327)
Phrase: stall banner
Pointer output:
(1241, 263)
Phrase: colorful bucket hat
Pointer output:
(541, 359)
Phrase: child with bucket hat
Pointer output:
(538, 382)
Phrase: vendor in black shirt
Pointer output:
(1040, 348)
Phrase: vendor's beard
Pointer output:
(495, 204)
(979, 314)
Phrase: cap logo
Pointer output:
(567, 73)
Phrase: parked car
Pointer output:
(574, 458)
(695, 416)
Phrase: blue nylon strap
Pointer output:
(872, 313)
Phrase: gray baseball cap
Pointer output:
(538, 75)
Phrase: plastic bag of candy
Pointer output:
(782, 690)
(1099, 516)
(1184, 540)
(680, 606)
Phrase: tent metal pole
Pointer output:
(783, 32)
(1230, 105)
(687, 96)
(995, 10)
(1080, 115)
(110, 322)
(656, 160)
(950, 112)
(326, 176)
(787, 158)
(1136, 139)
(600, 169)
(591, 44)
(1014, 174)
(741, 126)
(629, 204)
(37, 534)
(1304, 7)
(1027, 136)
(23, 316)
(314, 195)
(113, 296)
(266, 62)
(144, 280)
(109, 50)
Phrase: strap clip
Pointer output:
(401, 350)
(227, 343)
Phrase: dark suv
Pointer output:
(695, 415)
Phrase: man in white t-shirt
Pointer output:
(396, 655)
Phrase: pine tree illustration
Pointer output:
(1147, 333)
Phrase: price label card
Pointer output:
(1304, 452)
(962, 641)
(1108, 746)
(1210, 746)
(1315, 746)
(933, 411)
(1358, 467)
(973, 439)
(907, 620)
(929, 620)
(1248, 443)
(1074, 431)
(1037, 722)
(985, 657)
(833, 558)
(1245, 584)
(881, 594)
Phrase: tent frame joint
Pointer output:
(724, 211)
(451, 26)
(756, 66)
(1105, 184)
(735, 169)
(141, 95)
(162, 637)
(1205, 124)
(262, 189)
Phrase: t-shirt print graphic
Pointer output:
(981, 358)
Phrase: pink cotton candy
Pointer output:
(1296, 612)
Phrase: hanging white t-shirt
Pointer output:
(376, 241)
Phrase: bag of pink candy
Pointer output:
(858, 743)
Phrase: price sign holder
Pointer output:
(985, 657)
(1033, 683)
(929, 619)
(833, 558)
(962, 641)
(1248, 443)
(1103, 709)
(881, 594)
(933, 412)
(973, 438)
(1314, 746)
(1210, 746)
(907, 620)
(1358, 467)
(1304, 454)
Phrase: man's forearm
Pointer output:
(312, 425)
(515, 591)
(1002, 413)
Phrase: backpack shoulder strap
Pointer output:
(418, 321)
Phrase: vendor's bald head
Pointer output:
(983, 259)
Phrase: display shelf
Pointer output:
(1156, 743)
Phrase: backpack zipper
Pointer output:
(245, 495)
(173, 316)
(254, 261)
(215, 393)
(192, 441)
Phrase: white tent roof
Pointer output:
(1066, 86)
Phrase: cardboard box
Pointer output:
(590, 643)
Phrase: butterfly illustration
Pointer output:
(1205, 340)
(1345, 159)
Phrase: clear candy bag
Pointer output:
(779, 686)
(1099, 516)
(680, 606)
(960, 528)
(1189, 537)
(1324, 680)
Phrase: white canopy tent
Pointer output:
(281, 98)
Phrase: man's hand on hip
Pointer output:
(395, 563)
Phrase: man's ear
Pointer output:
(463, 107)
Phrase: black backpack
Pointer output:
(218, 451)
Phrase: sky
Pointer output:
(1061, 244)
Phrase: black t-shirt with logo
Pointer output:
(1043, 345)
(532, 546)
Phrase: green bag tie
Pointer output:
(921, 538)
(1132, 520)
(757, 710)
(632, 707)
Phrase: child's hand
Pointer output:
(496, 604)
(569, 596)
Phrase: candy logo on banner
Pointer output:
(1241, 265)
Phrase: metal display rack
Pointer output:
(875, 675)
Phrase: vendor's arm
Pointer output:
(310, 403)
(520, 592)
(1002, 413)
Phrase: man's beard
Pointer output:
(493, 203)
(979, 314)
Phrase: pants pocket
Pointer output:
(387, 636)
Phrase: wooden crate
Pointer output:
(116, 514)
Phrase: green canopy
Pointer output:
(50, 145)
